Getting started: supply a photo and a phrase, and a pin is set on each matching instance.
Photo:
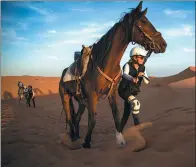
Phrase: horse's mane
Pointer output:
(104, 45)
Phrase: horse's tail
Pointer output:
(63, 74)
(61, 82)
(61, 91)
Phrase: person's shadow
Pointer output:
(7, 95)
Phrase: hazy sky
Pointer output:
(40, 38)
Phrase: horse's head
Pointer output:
(144, 33)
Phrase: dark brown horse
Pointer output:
(104, 72)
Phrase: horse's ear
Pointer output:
(83, 46)
(143, 13)
(139, 7)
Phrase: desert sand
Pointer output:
(30, 135)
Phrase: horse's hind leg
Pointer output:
(66, 106)
(65, 98)
(81, 108)
(72, 110)
(20, 98)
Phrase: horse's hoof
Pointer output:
(86, 145)
(73, 145)
(123, 143)
(73, 137)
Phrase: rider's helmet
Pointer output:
(137, 51)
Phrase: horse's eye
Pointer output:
(143, 21)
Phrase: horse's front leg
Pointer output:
(92, 103)
(65, 98)
(20, 98)
(112, 100)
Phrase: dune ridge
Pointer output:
(49, 85)
(181, 76)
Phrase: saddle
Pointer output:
(75, 68)
(79, 67)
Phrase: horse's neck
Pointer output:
(112, 63)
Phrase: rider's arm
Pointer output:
(145, 78)
(126, 73)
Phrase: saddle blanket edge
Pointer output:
(68, 75)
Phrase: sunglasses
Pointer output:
(140, 57)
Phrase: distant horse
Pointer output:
(20, 90)
(25, 93)
(104, 73)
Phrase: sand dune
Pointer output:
(186, 83)
(49, 85)
(31, 137)
(185, 74)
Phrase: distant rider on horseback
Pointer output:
(20, 88)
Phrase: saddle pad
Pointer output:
(68, 75)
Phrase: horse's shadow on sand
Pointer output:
(50, 92)
(7, 95)
(38, 91)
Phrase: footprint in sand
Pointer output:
(7, 116)
(168, 112)
(172, 109)
(178, 109)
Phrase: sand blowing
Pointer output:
(135, 137)
(65, 140)
(132, 135)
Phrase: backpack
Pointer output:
(30, 90)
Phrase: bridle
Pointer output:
(152, 44)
